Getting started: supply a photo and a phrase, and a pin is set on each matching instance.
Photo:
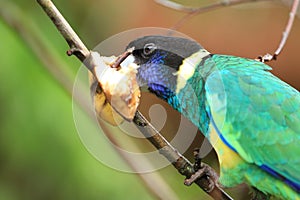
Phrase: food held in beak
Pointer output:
(115, 88)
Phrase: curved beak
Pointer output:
(123, 57)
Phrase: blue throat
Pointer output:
(190, 101)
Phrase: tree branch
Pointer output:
(268, 57)
(183, 166)
(76, 45)
(179, 162)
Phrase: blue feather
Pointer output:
(292, 184)
(220, 134)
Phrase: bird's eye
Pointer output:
(149, 48)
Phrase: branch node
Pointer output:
(70, 52)
(267, 58)
(74, 51)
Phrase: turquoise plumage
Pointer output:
(251, 117)
(262, 122)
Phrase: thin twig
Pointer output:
(179, 162)
(288, 28)
(76, 45)
(269, 57)
(176, 6)
(191, 11)
(198, 10)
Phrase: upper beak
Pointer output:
(129, 60)
(124, 59)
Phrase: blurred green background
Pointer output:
(41, 155)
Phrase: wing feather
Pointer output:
(262, 118)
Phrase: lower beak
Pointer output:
(127, 61)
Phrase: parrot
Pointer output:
(250, 116)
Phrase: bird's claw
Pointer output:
(203, 172)
(198, 174)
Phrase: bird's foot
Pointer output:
(203, 173)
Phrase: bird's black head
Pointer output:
(159, 59)
(169, 50)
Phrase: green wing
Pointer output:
(261, 119)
